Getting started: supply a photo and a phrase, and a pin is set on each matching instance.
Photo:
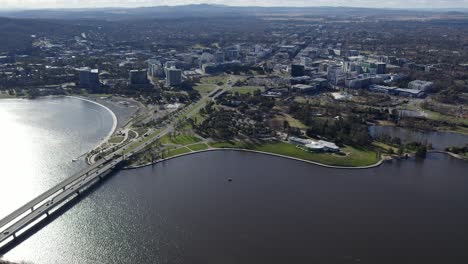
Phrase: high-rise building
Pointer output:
(232, 54)
(88, 78)
(219, 57)
(173, 76)
(138, 77)
(297, 70)
(168, 65)
(335, 74)
(155, 68)
(381, 67)
(306, 61)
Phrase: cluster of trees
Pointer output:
(452, 95)
(244, 101)
(226, 124)
(229, 124)
(350, 130)
(420, 123)
(420, 149)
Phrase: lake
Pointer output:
(274, 211)
(439, 140)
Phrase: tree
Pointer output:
(421, 152)
(400, 151)
(285, 125)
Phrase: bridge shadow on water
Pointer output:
(56, 214)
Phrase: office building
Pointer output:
(155, 68)
(139, 79)
(173, 76)
(381, 68)
(88, 78)
(335, 74)
(297, 70)
(219, 56)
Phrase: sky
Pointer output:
(37, 4)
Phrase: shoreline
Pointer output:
(264, 153)
(114, 117)
(114, 121)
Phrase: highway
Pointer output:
(36, 210)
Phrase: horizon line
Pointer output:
(226, 5)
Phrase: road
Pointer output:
(34, 211)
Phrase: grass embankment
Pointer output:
(354, 157)
(198, 147)
(178, 151)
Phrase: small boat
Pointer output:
(74, 160)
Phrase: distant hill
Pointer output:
(16, 33)
(204, 10)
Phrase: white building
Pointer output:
(421, 85)
(313, 145)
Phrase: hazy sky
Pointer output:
(135, 3)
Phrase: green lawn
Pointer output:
(116, 139)
(382, 145)
(435, 115)
(291, 120)
(354, 158)
(198, 118)
(205, 88)
(198, 147)
(447, 118)
(144, 140)
(180, 139)
(215, 79)
(178, 151)
(141, 130)
(247, 89)
(200, 103)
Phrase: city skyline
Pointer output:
(401, 4)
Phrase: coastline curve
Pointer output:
(380, 162)
(114, 120)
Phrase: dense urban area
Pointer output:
(309, 85)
